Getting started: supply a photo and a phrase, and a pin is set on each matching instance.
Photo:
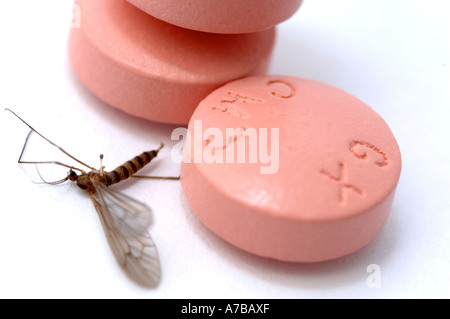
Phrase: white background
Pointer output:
(394, 55)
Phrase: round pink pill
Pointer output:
(221, 16)
(155, 70)
(290, 168)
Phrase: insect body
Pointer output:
(124, 219)
(128, 169)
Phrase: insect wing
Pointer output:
(132, 216)
(125, 221)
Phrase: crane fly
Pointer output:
(124, 219)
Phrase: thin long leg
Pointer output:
(58, 147)
(47, 162)
(157, 177)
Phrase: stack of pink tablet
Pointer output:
(156, 63)
(279, 166)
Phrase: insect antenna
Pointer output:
(53, 144)
(49, 183)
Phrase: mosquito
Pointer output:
(124, 219)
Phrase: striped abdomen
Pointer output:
(129, 168)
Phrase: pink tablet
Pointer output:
(221, 16)
(155, 70)
(290, 168)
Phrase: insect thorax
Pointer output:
(85, 180)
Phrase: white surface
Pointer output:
(394, 55)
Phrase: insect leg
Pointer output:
(20, 161)
(53, 144)
(157, 177)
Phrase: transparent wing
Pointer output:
(125, 222)
(132, 216)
